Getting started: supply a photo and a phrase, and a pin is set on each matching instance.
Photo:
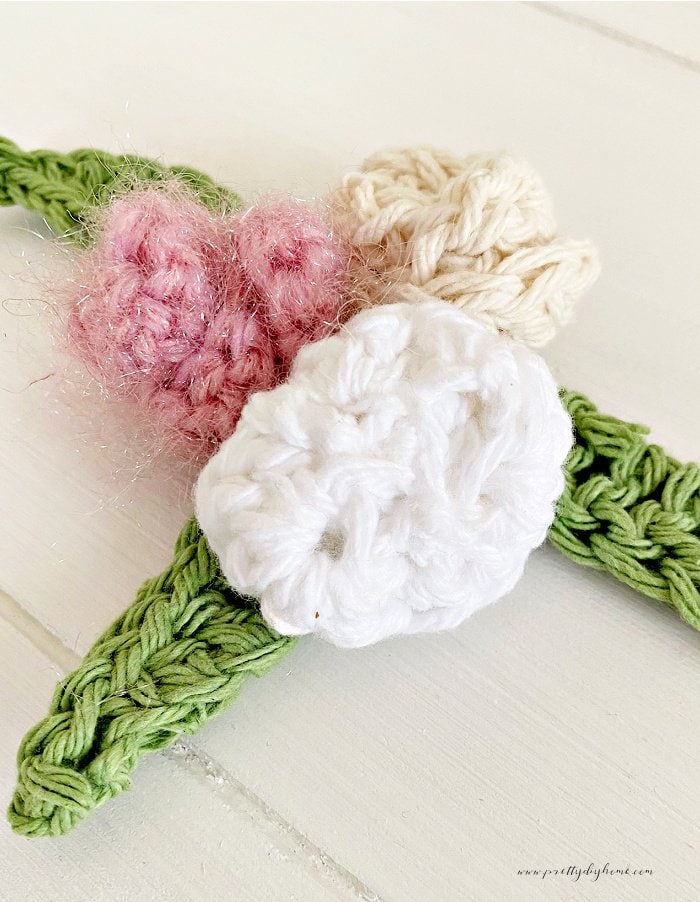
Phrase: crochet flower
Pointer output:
(188, 312)
(296, 271)
(395, 484)
(477, 231)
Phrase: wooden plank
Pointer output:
(87, 507)
(672, 28)
(553, 729)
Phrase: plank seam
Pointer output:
(183, 752)
(613, 34)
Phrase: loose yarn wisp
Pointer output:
(65, 188)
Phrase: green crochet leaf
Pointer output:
(63, 187)
(630, 509)
(178, 656)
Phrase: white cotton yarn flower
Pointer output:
(477, 231)
(395, 484)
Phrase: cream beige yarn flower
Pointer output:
(476, 231)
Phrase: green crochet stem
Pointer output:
(630, 509)
(63, 187)
(178, 656)
(181, 652)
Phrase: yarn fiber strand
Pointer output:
(175, 658)
(63, 186)
(630, 509)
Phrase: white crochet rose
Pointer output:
(395, 484)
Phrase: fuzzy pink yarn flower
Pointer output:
(294, 270)
(189, 313)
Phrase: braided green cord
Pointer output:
(630, 509)
(175, 658)
(63, 187)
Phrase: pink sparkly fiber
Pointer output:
(188, 313)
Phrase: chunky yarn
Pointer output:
(630, 509)
(395, 484)
(188, 312)
(178, 656)
(476, 231)
(63, 187)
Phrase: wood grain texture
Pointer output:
(557, 728)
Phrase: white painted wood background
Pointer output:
(559, 727)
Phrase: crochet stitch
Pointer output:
(396, 483)
(476, 231)
(178, 656)
(630, 509)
